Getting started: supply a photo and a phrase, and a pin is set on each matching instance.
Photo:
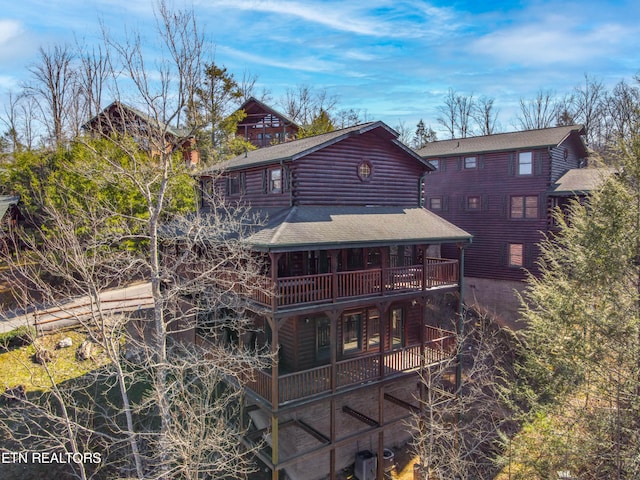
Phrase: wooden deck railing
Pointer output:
(440, 345)
(307, 289)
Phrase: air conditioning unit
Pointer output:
(366, 467)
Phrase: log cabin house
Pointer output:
(501, 188)
(362, 296)
(151, 136)
(10, 218)
(264, 126)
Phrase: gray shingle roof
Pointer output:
(580, 181)
(6, 201)
(546, 137)
(116, 104)
(298, 148)
(326, 227)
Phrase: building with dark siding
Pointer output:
(501, 188)
(363, 298)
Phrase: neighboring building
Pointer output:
(263, 126)
(577, 183)
(10, 216)
(363, 298)
(501, 188)
(151, 136)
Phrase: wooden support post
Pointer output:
(460, 332)
(332, 435)
(334, 274)
(384, 268)
(333, 315)
(275, 397)
(426, 277)
(381, 432)
(275, 257)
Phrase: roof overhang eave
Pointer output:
(291, 247)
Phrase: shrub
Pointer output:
(16, 338)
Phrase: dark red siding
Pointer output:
(330, 176)
(493, 182)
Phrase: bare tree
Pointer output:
(10, 120)
(302, 104)
(622, 115)
(405, 134)
(590, 110)
(348, 117)
(92, 79)
(541, 112)
(457, 429)
(448, 112)
(485, 115)
(19, 118)
(170, 402)
(464, 106)
(456, 114)
(247, 85)
(52, 86)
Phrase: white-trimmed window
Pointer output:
(275, 180)
(525, 163)
(470, 163)
(435, 203)
(234, 184)
(474, 202)
(516, 254)
(524, 206)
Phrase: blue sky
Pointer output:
(393, 59)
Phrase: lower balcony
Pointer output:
(332, 287)
(440, 345)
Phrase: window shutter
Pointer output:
(461, 205)
(484, 202)
(286, 179)
(243, 182)
(528, 255)
(445, 203)
(503, 255)
(265, 180)
(459, 163)
(443, 164)
(504, 206)
(538, 165)
(480, 161)
(511, 167)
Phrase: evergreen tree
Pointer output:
(583, 333)
(321, 123)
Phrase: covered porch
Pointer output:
(439, 346)
(290, 291)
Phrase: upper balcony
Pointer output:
(295, 291)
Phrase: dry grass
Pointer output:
(17, 366)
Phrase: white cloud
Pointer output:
(9, 30)
(304, 64)
(553, 40)
(376, 18)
